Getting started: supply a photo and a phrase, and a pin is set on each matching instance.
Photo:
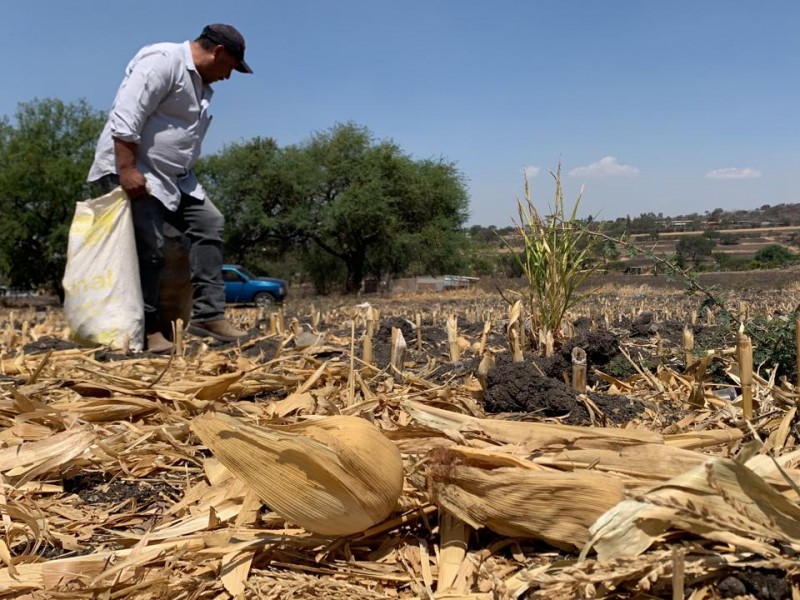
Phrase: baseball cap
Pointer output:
(229, 37)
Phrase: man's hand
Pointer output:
(130, 178)
(133, 182)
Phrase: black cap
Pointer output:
(229, 37)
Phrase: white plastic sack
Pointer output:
(103, 297)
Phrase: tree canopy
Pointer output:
(773, 256)
(44, 157)
(694, 247)
(350, 206)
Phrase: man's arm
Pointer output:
(130, 178)
(146, 85)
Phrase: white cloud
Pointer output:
(605, 167)
(734, 173)
(531, 172)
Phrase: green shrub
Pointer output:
(773, 256)
(729, 262)
(777, 348)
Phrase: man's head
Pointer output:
(222, 51)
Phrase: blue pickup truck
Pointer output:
(242, 287)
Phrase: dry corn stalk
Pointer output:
(579, 370)
(334, 475)
(487, 327)
(688, 346)
(744, 353)
(515, 331)
(487, 364)
(398, 354)
(452, 338)
(797, 345)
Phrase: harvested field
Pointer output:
(647, 484)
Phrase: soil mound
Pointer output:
(517, 388)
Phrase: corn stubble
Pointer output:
(333, 476)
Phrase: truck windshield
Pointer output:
(246, 273)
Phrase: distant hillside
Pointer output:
(717, 240)
(767, 216)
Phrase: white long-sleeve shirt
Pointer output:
(161, 105)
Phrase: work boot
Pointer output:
(158, 344)
(220, 330)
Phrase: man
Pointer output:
(149, 146)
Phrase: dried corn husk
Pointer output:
(719, 500)
(552, 506)
(334, 476)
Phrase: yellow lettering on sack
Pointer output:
(107, 337)
(94, 283)
(98, 282)
(95, 226)
(105, 222)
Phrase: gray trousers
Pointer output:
(202, 223)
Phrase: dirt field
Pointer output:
(727, 282)
(107, 492)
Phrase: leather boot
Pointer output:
(158, 344)
(220, 330)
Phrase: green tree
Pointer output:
(617, 228)
(366, 204)
(252, 183)
(45, 155)
(728, 239)
(486, 235)
(695, 248)
(645, 223)
(773, 256)
(606, 251)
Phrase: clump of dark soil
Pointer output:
(646, 325)
(515, 387)
(759, 583)
(265, 348)
(382, 340)
(601, 347)
(434, 341)
(384, 333)
(518, 388)
(616, 409)
(582, 323)
(103, 355)
(45, 343)
(101, 488)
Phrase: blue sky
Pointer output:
(650, 105)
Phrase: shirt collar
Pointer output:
(208, 91)
(187, 56)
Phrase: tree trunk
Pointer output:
(354, 278)
(355, 271)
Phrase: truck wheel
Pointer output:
(264, 299)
